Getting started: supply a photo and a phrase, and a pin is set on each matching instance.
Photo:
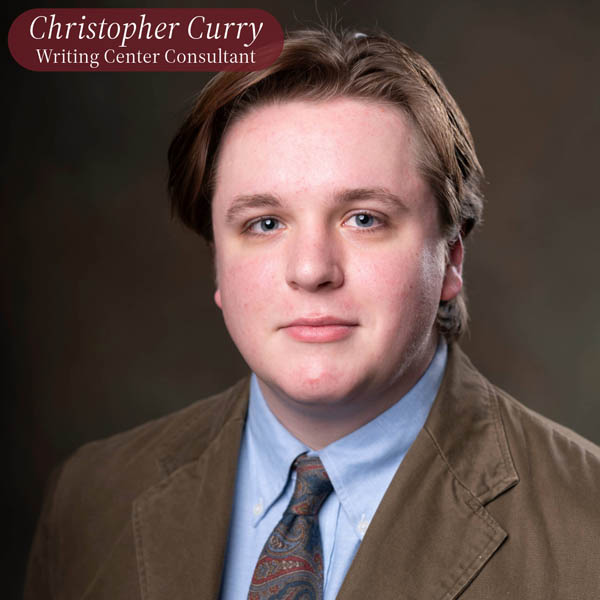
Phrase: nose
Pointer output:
(315, 261)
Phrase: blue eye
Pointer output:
(364, 220)
(268, 224)
(265, 225)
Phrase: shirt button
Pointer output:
(362, 526)
(258, 508)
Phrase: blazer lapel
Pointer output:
(181, 525)
(432, 534)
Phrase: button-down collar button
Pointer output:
(258, 508)
(362, 526)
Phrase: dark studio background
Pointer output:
(108, 317)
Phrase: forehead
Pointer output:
(304, 146)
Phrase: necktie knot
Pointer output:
(312, 486)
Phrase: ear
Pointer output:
(453, 281)
(217, 297)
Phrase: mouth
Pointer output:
(320, 329)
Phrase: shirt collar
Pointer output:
(273, 447)
(361, 465)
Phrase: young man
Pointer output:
(365, 457)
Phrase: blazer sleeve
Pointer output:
(43, 557)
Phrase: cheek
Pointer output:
(245, 286)
(403, 282)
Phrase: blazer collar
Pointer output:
(466, 426)
(432, 534)
(181, 524)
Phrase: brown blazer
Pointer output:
(492, 501)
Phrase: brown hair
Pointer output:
(323, 64)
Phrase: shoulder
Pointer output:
(99, 482)
(534, 444)
(86, 519)
(550, 458)
(538, 480)
(552, 501)
(552, 514)
(504, 452)
(134, 459)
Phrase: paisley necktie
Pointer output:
(290, 565)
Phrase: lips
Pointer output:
(320, 329)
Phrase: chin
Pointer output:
(327, 386)
(315, 397)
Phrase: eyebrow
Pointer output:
(381, 194)
(243, 203)
(247, 202)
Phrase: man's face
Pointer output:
(329, 258)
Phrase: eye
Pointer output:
(364, 220)
(264, 225)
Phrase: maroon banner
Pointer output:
(145, 39)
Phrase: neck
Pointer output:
(318, 424)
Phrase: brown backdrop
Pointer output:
(107, 305)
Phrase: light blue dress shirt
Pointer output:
(360, 465)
